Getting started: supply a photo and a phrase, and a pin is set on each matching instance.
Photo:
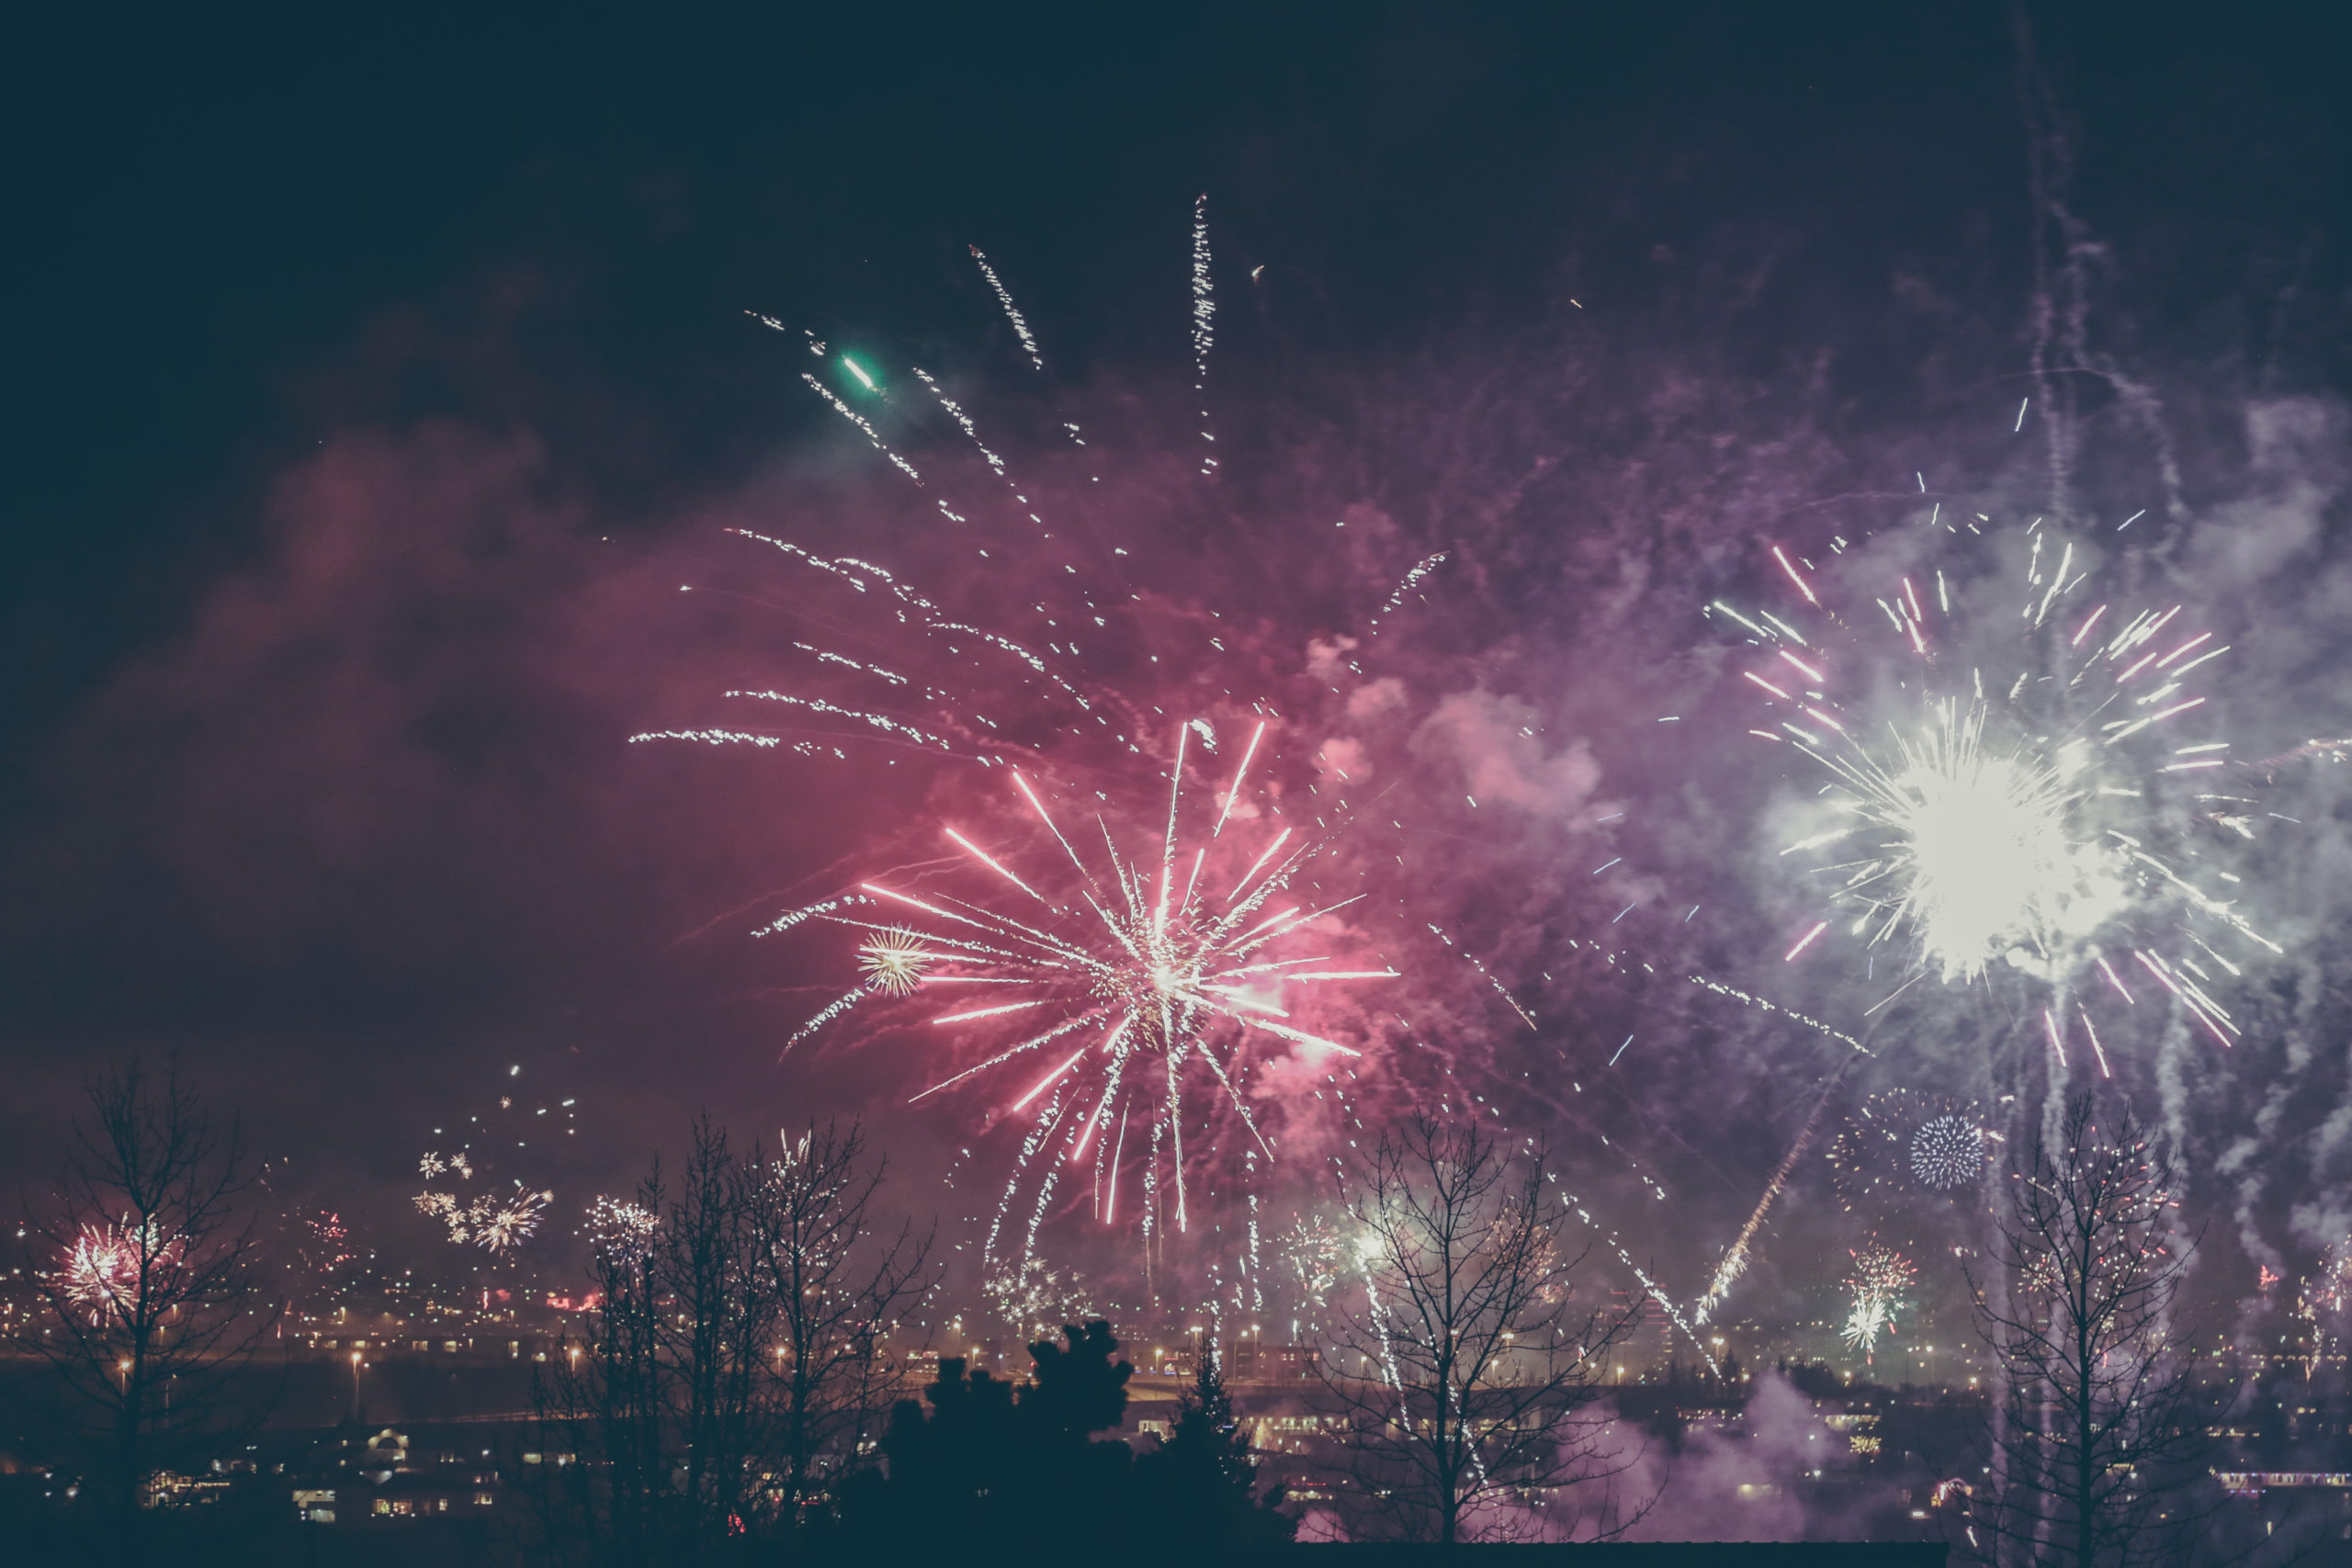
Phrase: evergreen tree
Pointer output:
(993, 1460)
(1203, 1482)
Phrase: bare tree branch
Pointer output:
(1463, 1376)
(2096, 1425)
(155, 1297)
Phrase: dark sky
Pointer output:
(379, 379)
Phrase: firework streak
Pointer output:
(1734, 1261)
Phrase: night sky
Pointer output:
(380, 384)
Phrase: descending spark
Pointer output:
(1688, 1325)
(1411, 581)
(860, 421)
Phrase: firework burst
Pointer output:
(2012, 790)
(102, 1269)
(1119, 993)
(620, 1230)
(893, 962)
(1153, 971)
(1880, 1278)
(1903, 1143)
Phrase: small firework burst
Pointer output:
(894, 961)
(2321, 1299)
(1317, 1261)
(1881, 1276)
(1904, 1145)
(492, 1223)
(501, 1226)
(1868, 1318)
(102, 1269)
(1946, 1151)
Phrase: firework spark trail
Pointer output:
(1412, 580)
(1690, 1327)
(1204, 321)
(1734, 1261)
(1759, 1003)
(874, 435)
(977, 737)
(1500, 989)
(1011, 311)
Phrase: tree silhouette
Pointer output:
(1076, 1389)
(1462, 1374)
(996, 1460)
(155, 1297)
(2095, 1434)
(837, 1292)
(1201, 1483)
(731, 1374)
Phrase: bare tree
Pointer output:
(733, 1370)
(719, 1323)
(1464, 1376)
(2097, 1431)
(837, 1297)
(155, 1300)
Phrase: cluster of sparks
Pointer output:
(2325, 1294)
(1317, 1260)
(492, 1222)
(1150, 970)
(620, 1231)
(495, 1222)
(2027, 805)
(1880, 1278)
(1947, 1152)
